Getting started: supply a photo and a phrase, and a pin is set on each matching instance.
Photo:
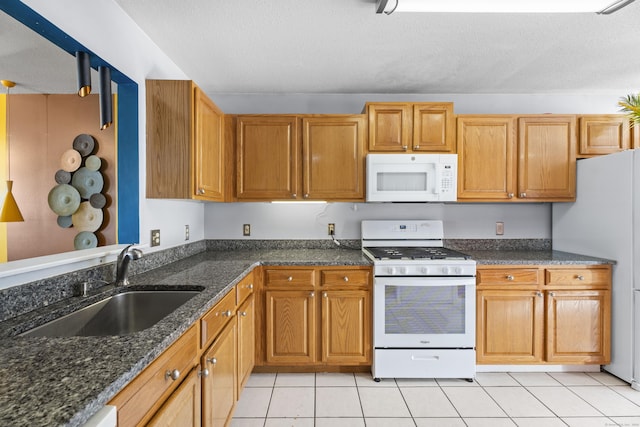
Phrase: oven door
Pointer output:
(424, 312)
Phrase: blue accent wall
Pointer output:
(127, 121)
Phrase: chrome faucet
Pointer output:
(122, 265)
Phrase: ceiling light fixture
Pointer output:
(84, 73)
(106, 103)
(603, 7)
(10, 211)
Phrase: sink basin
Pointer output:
(120, 314)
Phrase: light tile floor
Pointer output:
(493, 400)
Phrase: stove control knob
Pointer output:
(425, 270)
(458, 270)
(403, 270)
(391, 270)
(445, 270)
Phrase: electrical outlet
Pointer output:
(246, 229)
(186, 232)
(331, 229)
(155, 237)
(499, 228)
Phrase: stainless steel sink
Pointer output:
(120, 314)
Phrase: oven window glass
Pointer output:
(424, 309)
(402, 181)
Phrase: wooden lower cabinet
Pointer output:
(525, 316)
(219, 386)
(183, 408)
(246, 341)
(319, 317)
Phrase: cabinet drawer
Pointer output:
(509, 277)
(215, 319)
(345, 277)
(290, 278)
(578, 277)
(244, 288)
(145, 392)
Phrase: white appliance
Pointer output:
(423, 302)
(604, 222)
(412, 177)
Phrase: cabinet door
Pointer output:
(290, 327)
(183, 407)
(267, 157)
(486, 158)
(208, 161)
(219, 387)
(433, 128)
(510, 326)
(603, 134)
(578, 325)
(246, 341)
(547, 158)
(390, 126)
(346, 327)
(333, 158)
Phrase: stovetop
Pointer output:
(415, 253)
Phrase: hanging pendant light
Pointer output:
(84, 73)
(10, 211)
(106, 104)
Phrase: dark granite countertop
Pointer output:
(64, 381)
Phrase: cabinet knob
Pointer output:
(227, 313)
(203, 373)
(538, 294)
(552, 294)
(324, 294)
(174, 375)
(510, 195)
(345, 278)
(200, 190)
(312, 294)
(306, 196)
(509, 277)
(523, 195)
(294, 195)
(404, 147)
(250, 286)
(212, 360)
(289, 279)
(243, 314)
(580, 277)
(416, 147)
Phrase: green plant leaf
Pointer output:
(630, 105)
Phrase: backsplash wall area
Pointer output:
(306, 220)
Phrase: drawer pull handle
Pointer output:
(510, 277)
(174, 375)
(580, 277)
(212, 360)
(345, 278)
(203, 373)
(289, 279)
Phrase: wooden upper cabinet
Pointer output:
(267, 157)
(516, 158)
(411, 127)
(547, 161)
(603, 134)
(333, 157)
(635, 136)
(486, 157)
(185, 148)
(316, 157)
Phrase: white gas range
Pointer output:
(423, 301)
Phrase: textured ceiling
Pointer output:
(343, 46)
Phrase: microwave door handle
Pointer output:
(438, 188)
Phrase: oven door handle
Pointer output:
(425, 358)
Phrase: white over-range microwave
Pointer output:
(412, 177)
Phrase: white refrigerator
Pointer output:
(604, 222)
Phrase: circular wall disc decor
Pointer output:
(64, 199)
(87, 218)
(85, 240)
(93, 163)
(84, 144)
(65, 221)
(63, 177)
(87, 182)
(70, 160)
